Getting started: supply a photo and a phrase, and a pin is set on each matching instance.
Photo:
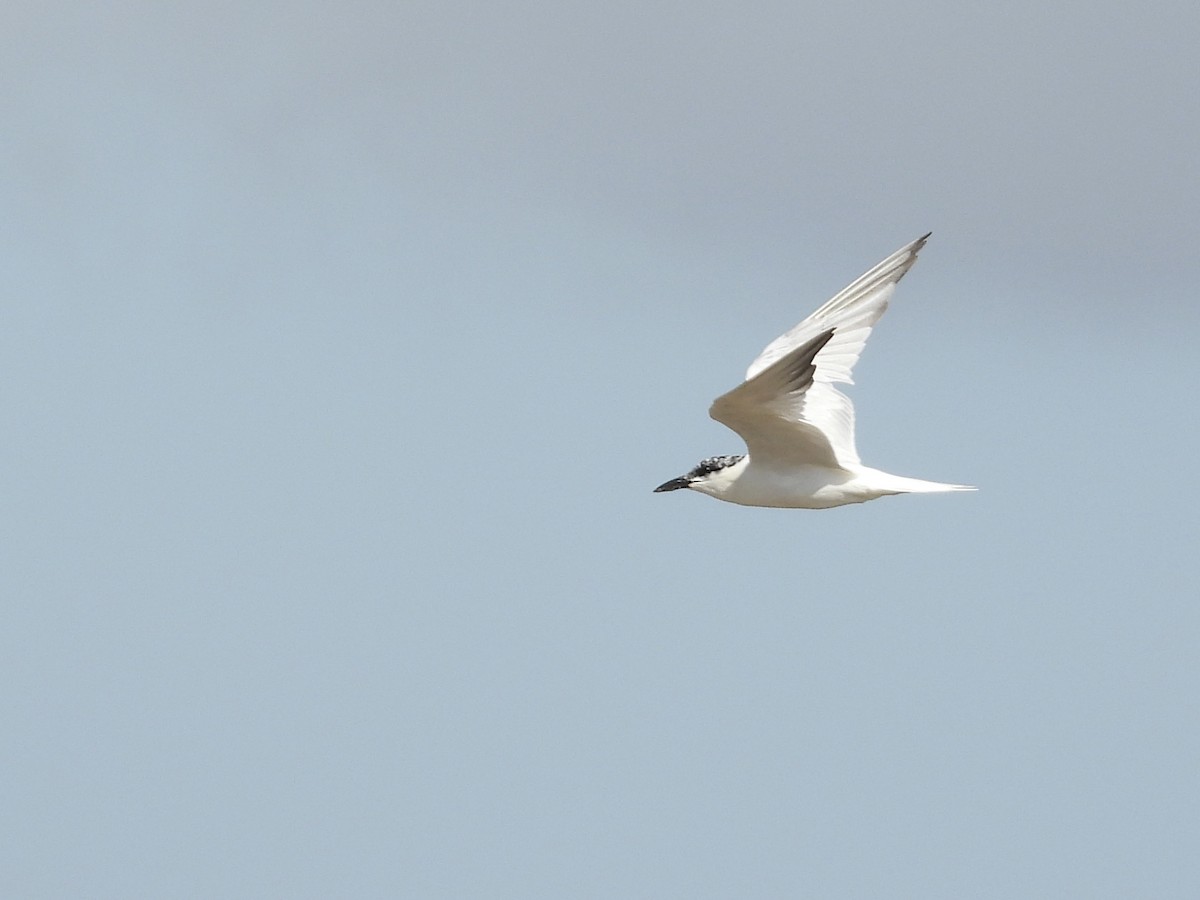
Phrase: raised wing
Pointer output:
(770, 410)
(803, 417)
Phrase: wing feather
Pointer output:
(768, 410)
(788, 405)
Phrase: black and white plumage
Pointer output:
(703, 470)
(798, 427)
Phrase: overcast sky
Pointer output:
(343, 344)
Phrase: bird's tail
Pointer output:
(898, 484)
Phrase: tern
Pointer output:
(798, 427)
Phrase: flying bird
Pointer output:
(798, 427)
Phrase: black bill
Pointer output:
(673, 485)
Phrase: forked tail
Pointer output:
(898, 484)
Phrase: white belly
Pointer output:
(806, 487)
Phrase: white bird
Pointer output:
(798, 427)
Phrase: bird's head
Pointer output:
(710, 476)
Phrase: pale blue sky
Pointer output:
(343, 346)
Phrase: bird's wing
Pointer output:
(787, 405)
(770, 410)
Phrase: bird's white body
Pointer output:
(799, 428)
(810, 487)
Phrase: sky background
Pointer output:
(341, 348)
